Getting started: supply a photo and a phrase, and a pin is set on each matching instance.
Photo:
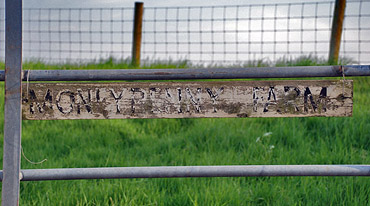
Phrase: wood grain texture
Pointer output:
(187, 99)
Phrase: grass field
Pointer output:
(170, 142)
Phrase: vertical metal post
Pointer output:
(136, 42)
(336, 31)
(12, 113)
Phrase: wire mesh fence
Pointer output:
(77, 34)
(212, 34)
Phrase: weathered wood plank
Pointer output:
(187, 99)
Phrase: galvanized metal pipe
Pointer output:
(12, 103)
(194, 171)
(178, 74)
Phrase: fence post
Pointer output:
(12, 106)
(336, 31)
(136, 42)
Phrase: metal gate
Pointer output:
(13, 76)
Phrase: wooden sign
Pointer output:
(187, 99)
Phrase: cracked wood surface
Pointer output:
(297, 98)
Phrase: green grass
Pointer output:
(109, 63)
(170, 142)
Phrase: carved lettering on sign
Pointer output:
(65, 101)
(83, 101)
(117, 98)
(36, 105)
(214, 96)
(188, 99)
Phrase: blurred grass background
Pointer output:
(171, 142)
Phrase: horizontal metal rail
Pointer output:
(178, 74)
(193, 171)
